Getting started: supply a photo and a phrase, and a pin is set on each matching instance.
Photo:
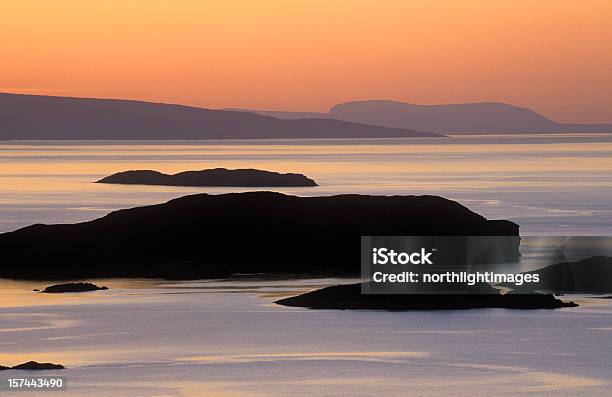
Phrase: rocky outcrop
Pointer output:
(33, 365)
(349, 297)
(72, 287)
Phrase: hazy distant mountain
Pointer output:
(486, 117)
(49, 117)
(466, 118)
(284, 114)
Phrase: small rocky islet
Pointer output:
(33, 365)
(71, 287)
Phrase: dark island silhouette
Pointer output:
(461, 118)
(51, 117)
(349, 297)
(211, 236)
(33, 365)
(211, 177)
(72, 287)
(590, 276)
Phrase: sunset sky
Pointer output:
(554, 56)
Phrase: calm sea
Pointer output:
(228, 338)
(549, 184)
(211, 338)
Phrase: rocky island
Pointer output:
(212, 236)
(349, 297)
(211, 177)
(72, 287)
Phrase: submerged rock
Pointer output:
(349, 297)
(72, 287)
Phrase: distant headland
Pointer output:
(211, 177)
(29, 117)
(460, 118)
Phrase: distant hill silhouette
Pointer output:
(285, 114)
(475, 118)
(486, 117)
(210, 177)
(51, 117)
(204, 235)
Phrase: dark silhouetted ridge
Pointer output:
(204, 235)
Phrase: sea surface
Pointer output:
(229, 338)
(549, 184)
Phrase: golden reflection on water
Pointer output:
(28, 170)
(73, 168)
(74, 357)
(367, 356)
(171, 158)
(19, 293)
(528, 380)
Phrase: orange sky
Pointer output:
(554, 56)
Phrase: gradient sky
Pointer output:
(554, 56)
